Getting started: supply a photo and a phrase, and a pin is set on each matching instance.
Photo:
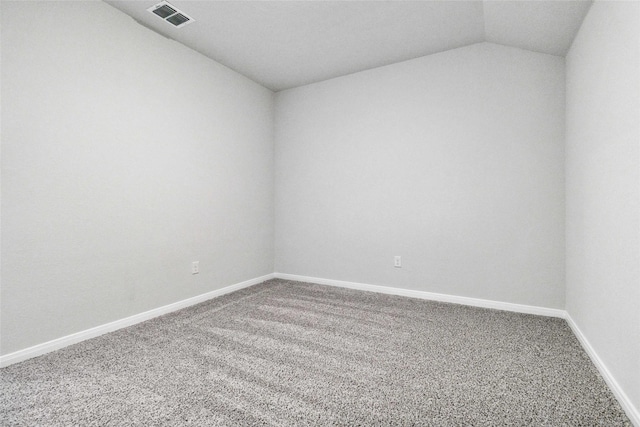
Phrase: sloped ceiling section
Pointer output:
(284, 44)
(541, 26)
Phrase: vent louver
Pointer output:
(169, 13)
(164, 11)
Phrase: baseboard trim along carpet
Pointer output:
(432, 296)
(56, 344)
(290, 353)
(631, 411)
(77, 337)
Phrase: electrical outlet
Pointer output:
(397, 262)
(195, 267)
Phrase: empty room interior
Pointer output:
(320, 213)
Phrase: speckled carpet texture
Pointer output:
(294, 354)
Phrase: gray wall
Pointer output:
(603, 188)
(125, 156)
(453, 161)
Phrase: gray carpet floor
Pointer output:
(293, 354)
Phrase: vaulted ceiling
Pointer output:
(284, 44)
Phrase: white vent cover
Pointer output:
(171, 14)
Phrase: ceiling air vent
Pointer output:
(171, 14)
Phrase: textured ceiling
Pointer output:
(284, 44)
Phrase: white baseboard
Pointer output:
(65, 341)
(40, 349)
(623, 399)
(475, 302)
(632, 412)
